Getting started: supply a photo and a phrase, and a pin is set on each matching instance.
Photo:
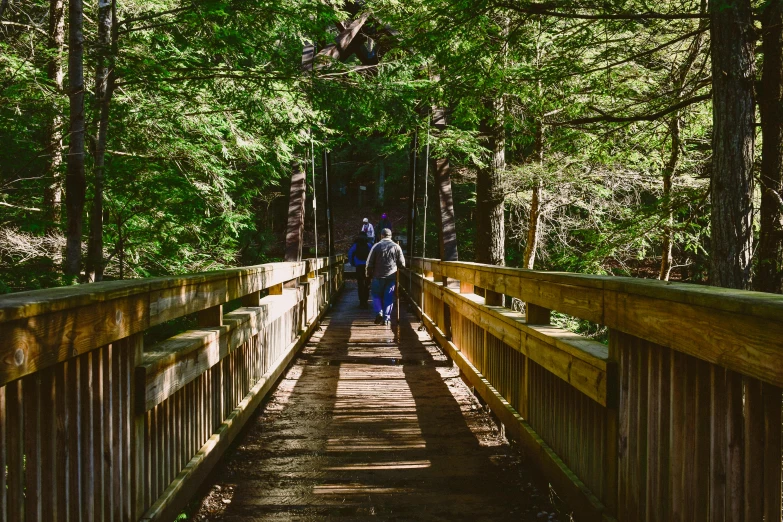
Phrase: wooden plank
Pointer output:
(747, 345)
(212, 316)
(131, 430)
(21, 305)
(118, 495)
(74, 427)
(754, 450)
(87, 387)
(252, 299)
(3, 454)
(742, 302)
(535, 314)
(31, 388)
(15, 452)
(702, 453)
(772, 453)
(38, 342)
(679, 426)
(97, 431)
(735, 459)
(107, 453)
(49, 326)
(718, 452)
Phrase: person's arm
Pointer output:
(371, 261)
(371, 230)
(400, 257)
(350, 254)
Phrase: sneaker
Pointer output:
(379, 319)
(387, 322)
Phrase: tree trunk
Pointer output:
(447, 223)
(733, 73)
(668, 174)
(296, 214)
(490, 196)
(54, 139)
(674, 156)
(75, 183)
(771, 96)
(327, 159)
(104, 81)
(534, 220)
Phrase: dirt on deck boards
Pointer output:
(365, 427)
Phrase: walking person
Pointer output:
(382, 263)
(384, 222)
(368, 230)
(357, 256)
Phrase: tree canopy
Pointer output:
(590, 124)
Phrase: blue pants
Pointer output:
(383, 295)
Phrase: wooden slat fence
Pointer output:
(96, 426)
(678, 418)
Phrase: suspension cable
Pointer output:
(315, 211)
(426, 197)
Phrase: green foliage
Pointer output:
(211, 108)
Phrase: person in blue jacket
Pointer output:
(357, 256)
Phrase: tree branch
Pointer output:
(546, 10)
(639, 117)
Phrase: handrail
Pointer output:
(96, 426)
(737, 329)
(677, 418)
(45, 327)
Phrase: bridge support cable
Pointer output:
(315, 194)
(327, 158)
(426, 202)
(412, 194)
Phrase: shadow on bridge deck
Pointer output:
(363, 426)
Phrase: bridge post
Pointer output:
(535, 314)
(211, 317)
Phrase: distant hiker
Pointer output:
(384, 223)
(382, 263)
(368, 230)
(357, 256)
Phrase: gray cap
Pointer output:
(385, 232)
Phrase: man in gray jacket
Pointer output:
(382, 263)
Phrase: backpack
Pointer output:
(362, 251)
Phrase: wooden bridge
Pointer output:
(104, 415)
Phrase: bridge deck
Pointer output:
(364, 426)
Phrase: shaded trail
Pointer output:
(362, 426)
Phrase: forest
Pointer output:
(625, 137)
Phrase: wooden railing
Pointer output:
(678, 418)
(96, 426)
